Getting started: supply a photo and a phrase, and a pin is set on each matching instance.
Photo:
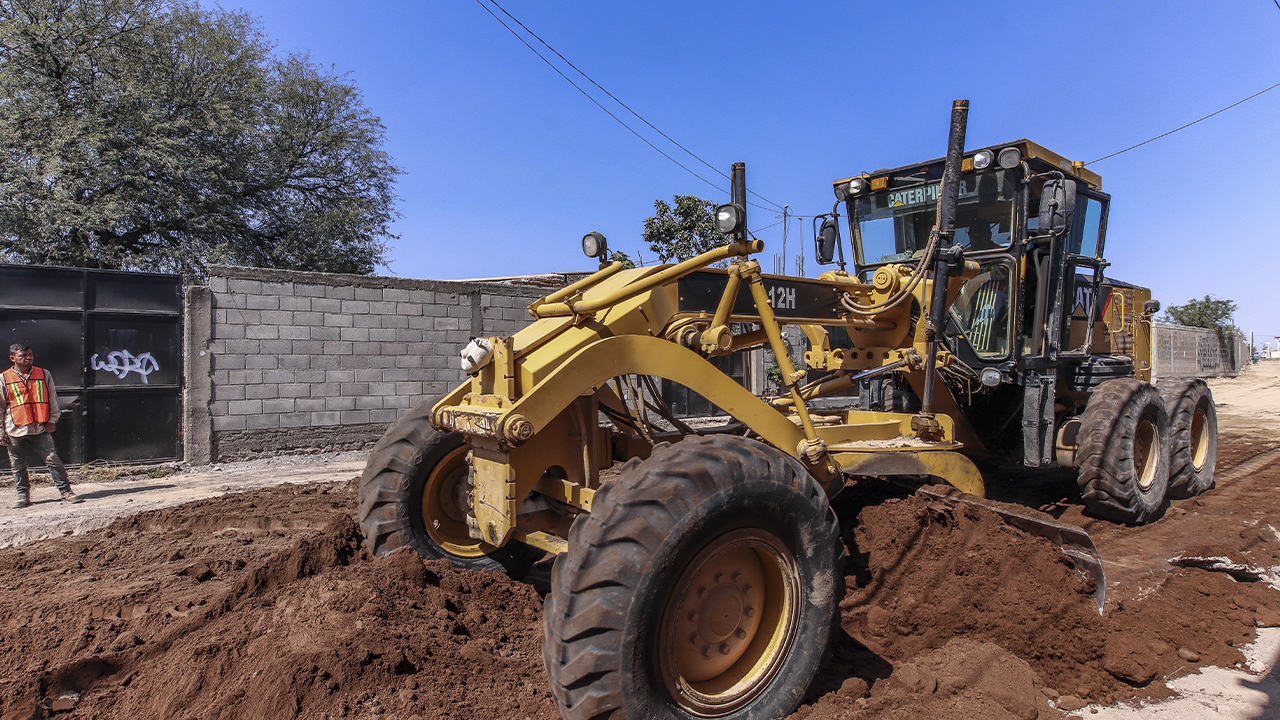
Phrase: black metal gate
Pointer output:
(113, 342)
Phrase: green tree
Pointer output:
(159, 135)
(1208, 312)
(625, 259)
(684, 230)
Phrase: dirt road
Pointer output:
(49, 517)
(261, 604)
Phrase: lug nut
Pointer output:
(706, 651)
(693, 638)
(702, 592)
(740, 634)
(734, 578)
(693, 615)
(719, 577)
(746, 589)
(724, 648)
(749, 611)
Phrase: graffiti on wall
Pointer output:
(122, 362)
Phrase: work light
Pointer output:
(729, 218)
(1009, 158)
(594, 245)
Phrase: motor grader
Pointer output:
(702, 578)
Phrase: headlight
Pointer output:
(857, 185)
(729, 218)
(982, 160)
(991, 377)
(593, 244)
(1009, 158)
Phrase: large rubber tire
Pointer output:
(631, 630)
(1193, 436)
(405, 494)
(1123, 452)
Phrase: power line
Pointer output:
(615, 99)
(602, 89)
(1193, 122)
(593, 100)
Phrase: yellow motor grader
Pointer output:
(703, 578)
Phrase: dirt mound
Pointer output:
(926, 574)
(238, 623)
(262, 604)
(963, 679)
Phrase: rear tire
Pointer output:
(705, 582)
(1123, 452)
(1193, 436)
(410, 494)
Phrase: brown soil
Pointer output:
(262, 605)
(952, 595)
(220, 609)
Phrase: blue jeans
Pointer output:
(39, 446)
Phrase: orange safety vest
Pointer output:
(30, 397)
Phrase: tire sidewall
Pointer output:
(419, 539)
(1142, 409)
(770, 506)
(1186, 481)
(1204, 476)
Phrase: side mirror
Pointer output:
(827, 241)
(1057, 202)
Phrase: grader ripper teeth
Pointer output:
(703, 580)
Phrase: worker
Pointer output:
(30, 415)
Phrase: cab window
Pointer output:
(982, 311)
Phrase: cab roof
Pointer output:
(1038, 155)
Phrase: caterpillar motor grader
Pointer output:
(703, 578)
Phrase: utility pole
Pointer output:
(785, 210)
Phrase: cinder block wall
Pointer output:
(296, 360)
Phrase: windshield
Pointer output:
(892, 225)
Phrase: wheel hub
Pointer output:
(446, 500)
(717, 615)
(1145, 453)
(1199, 439)
(729, 622)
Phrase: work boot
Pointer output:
(70, 497)
(24, 501)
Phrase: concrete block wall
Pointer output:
(315, 360)
(1181, 351)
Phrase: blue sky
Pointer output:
(508, 165)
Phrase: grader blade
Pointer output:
(1074, 542)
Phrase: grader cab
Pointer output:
(699, 569)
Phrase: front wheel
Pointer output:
(704, 583)
(1123, 452)
(414, 492)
